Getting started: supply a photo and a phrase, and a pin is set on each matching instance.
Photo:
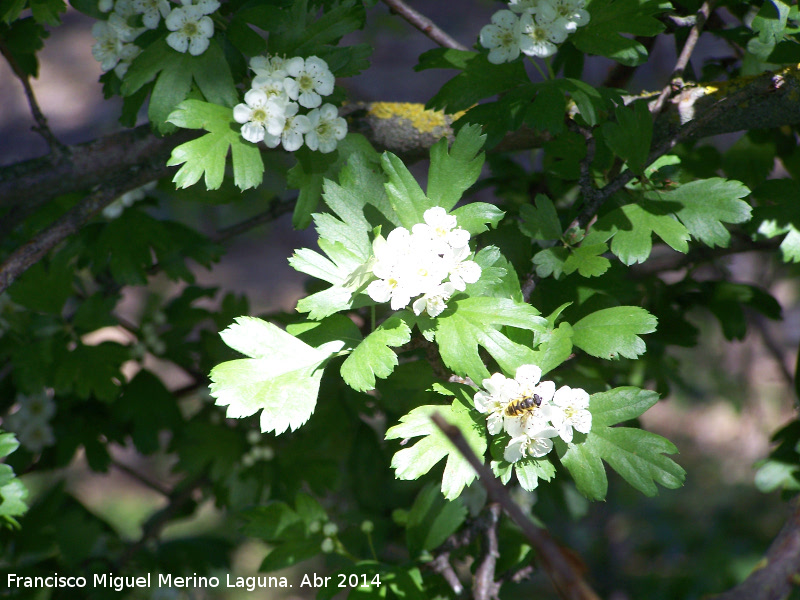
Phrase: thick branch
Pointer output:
(407, 130)
(776, 576)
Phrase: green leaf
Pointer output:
(206, 155)
(373, 357)
(474, 216)
(540, 221)
(632, 227)
(174, 73)
(479, 79)
(614, 332)
(638, 456)
(705, 205)
(48, 11)
(769, 23)
(453, 173)
(587, 261)
(406, 197)
(281, 377)
(554, 347)
(630, 136)
(288, 554)
(432, 519)
(92, 370)
(413, 462)
(530, 470)
(45, 286)
(550, 261)
(473, 322)
(546, 112)
(610, 18)
(12, 491)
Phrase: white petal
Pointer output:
(253, 132)
(516, 449)
(178, 41)
(242, 113)
(294, 66)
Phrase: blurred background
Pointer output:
(681, 544)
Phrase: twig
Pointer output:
(155, 486)
(441, 565)
(485, 587)
(774, 349)
(152, 528)
(676, 81)
(620, 181)
(276, 209)
(31, 252)
(424, 24)
(58, 149)
(567, 581)
(775, 578)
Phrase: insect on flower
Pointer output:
(519, 406)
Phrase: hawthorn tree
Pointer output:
(475, 347)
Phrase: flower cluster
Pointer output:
(115, 209)
(537, 31)
(417, 263)
(190, 26)
(31, 421)
(532, 411)
(280, 88)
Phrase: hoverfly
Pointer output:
(523, 404)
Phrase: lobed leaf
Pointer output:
(614, 332)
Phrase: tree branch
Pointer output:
(424, 24)
(485, 587)
(776, 575)
(407, 130)
(58, 149)
(31, 252)
(568, 582)
(676, 81)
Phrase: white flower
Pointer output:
(107, 49)
(120, 20)
(39, 407)
(530, 442)
(294, 128)
(327, 128)
(206, 7)
(433, 302)
(126, 56)
(500, 390)
(502, 37)
(540, 34)
(569, 411)
(523, 6)
(190, 29)
(269, 66)
(260, 116)
(271, 86)
(440, 228)
(35, 436)
(462, 271)
(573, 12)
(308, 80)
(151, 11)
(390, 253)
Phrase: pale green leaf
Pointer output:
(614, 332)
(406, 197)
(413, 462)
(281, 377)
(474, 216)
(373, 357)
(452, 173)
(475, 322)
(587, 261)
(555, 346)
(207, 155)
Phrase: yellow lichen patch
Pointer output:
(425, 121)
